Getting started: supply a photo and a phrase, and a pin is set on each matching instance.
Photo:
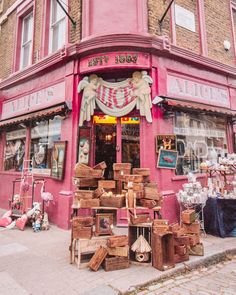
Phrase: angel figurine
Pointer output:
(89, 85)
(142, 90)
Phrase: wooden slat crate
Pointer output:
(133, 178)
(115, 263)
(98, 192)
(151, 193)
(107, 184)
(82, 170)
(83, 194)
(182, 240)
(142, 171)
(157, 222)
(148, 203)
(117, 241)
(115, 201)
(101, 166)
(181, 258)
(85, 182)
(121, 166)
(120, 174)
(163, 251)
(181, 249)
(161, 228)
(137, 186)
(118, 251)
(83, 221)
(193, 228)
(82, 232)
(89, 203)
(140, 218)
(97, 258)
(188, 216)
(194, 239)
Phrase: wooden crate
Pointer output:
(181, 249)
(161, 228)
(139, 194)
(107, 184)
(89, 203)
(118, 251)
(120, 174)
(100, 166)
(115, 201)
(85, 182)
(142, 171)
(148, 203)
(122, 166)
(137, 186)
(82, 232)
(181, 258)
(83, 221)
(140, 218)
(117, 241)
(151, 193)
(193, 228)
(188, 216)
(133, 178)
(157, 222)
(83, 194)
(163, 251)
(194, 239)
(98, 192)
(182, 240)
(115, 263)
(174, 227)
(82, 170)
(97, 173)
(97, 258)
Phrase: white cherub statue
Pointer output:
(142, 90)
(89, 86)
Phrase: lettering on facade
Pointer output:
(197, 91)
(34, 101)
(118, 59)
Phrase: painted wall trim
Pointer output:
(14, 6)
(202, 27)
(156, 45)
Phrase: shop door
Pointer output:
(116, 140)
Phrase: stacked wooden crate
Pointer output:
(114, 256)
(87, 177)
(82, 227)
(192, 229)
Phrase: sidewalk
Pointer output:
(38, 263)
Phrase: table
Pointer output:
(220, 216)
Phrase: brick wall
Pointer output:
(75, 13)
(37, 30)
(218, 27)
(7, 37)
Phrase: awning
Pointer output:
(188, 105)
(46, 113)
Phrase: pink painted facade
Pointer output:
(177, 73)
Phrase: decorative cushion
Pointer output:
(7, 214)
(21, 222)
(5, 221)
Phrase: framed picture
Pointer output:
(166, 142)
(58, 159)
(167, 159)
(84, 145)
(104, 224)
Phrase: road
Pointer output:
(215, 279)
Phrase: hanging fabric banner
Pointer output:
(116, 99)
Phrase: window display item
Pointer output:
(104, 224)
(21, 222)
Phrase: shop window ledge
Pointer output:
(185, 177)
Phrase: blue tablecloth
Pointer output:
(220, 216)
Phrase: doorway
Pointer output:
(116, 140)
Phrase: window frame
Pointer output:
(232, 10)
(22, 12)
(45, 48)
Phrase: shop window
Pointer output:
(14, 149)
(43, 135)
(57, 34)
(26, 41)
(199, 138)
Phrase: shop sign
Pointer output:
(16, 134)
(216, 133)
(34, 101)
(115, 60)
(184, 18)
(178, 87)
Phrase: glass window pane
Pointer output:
(200, 137)
(43, 135)
(15, 149)
(131, 141)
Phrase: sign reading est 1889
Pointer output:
(115, 59)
